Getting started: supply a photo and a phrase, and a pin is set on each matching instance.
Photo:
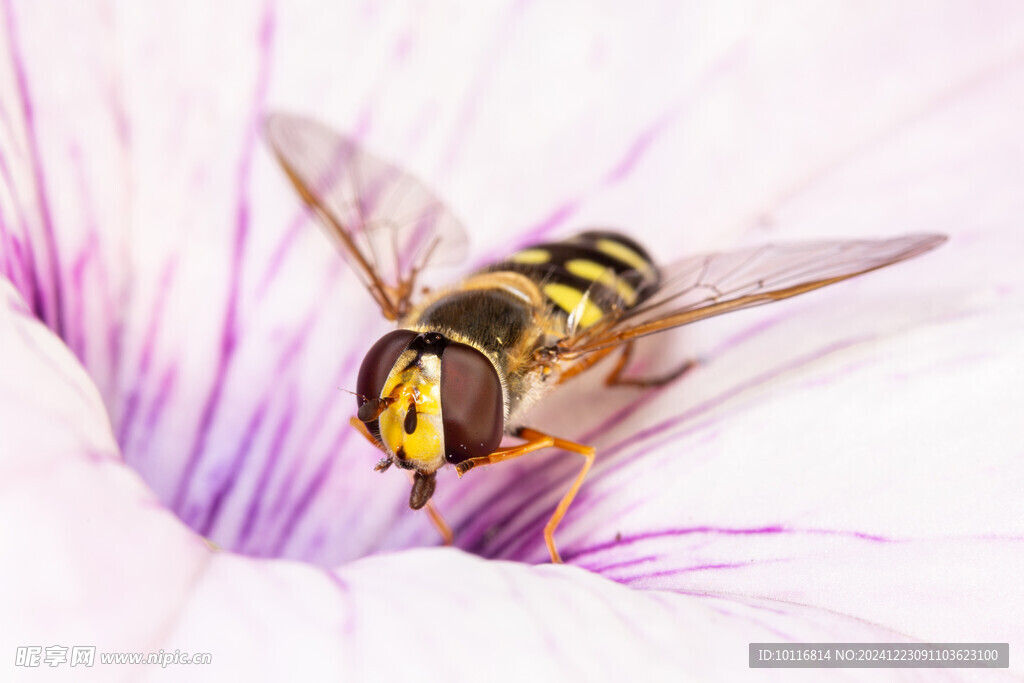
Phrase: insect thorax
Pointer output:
(529, 301)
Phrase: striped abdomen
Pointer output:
(600, 270)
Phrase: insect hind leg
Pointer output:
(615, 377)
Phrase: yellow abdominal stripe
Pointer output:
(621, 252)
(530, 256)
(575, 301)
(570, 299)
(589, 270)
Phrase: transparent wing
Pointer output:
(387, 224)
(711, 284)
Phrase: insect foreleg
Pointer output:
(535, 441)
(447, 537)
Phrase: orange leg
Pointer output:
(535, 441)
(447, 537)
(361, 428)
(615, 378)
(583, 363)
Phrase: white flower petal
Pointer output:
(127, 577)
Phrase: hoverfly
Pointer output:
(466, 361)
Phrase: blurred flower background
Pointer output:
(177, 340)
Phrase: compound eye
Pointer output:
(472, 407)
(374, 371)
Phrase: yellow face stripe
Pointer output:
(530, 256)
(425, 446)
(590, 270)
(569, 299)
(622, 253)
